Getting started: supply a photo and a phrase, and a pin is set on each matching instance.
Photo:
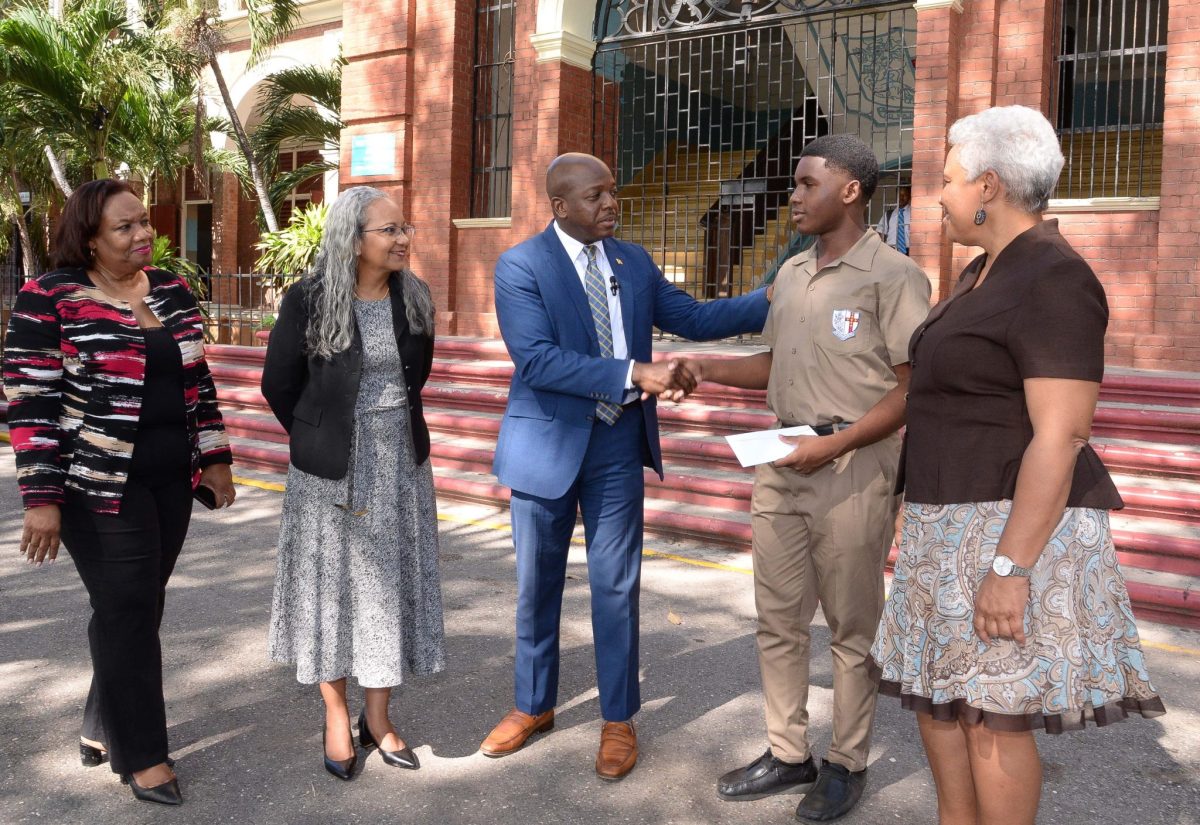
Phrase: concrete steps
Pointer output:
(1147, 433)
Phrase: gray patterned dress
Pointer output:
(357, 588)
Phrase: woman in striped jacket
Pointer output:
(114, 422)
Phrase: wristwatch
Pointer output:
(1004, 566)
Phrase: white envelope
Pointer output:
(762, 446)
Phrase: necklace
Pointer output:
(362, 296)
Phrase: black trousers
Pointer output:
(125, 561)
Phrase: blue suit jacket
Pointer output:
(560, 374)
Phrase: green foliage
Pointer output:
(297, 106)
(292, 250)
(165, 257)
(93, 86)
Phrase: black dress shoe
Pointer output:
(341, 768)
(837, 791)
(403, 758)
(91, 757)
(165, 794)
(765, 776)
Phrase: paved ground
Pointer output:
(247, 737)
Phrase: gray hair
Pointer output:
(1019, 145)
(333, 276)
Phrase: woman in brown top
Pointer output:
(1008, 611)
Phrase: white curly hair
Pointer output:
(1019, 145)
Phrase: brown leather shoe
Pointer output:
(618, 750)
(513, 730)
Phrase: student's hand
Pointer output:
(39, 536)
(219, 478)
(688, 371)
(661, 378)
(811, 452)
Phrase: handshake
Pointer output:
(671, 380)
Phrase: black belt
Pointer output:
(830, 429)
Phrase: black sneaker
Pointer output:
(837, 792)
(765, 776)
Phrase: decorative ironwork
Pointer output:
(885, 68)
(703, 124)
(637, 18)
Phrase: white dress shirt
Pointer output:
(578, 254)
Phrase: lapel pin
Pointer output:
(619, 261)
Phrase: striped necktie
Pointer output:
(593, 282)
(902, 230)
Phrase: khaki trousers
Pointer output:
(822, 538)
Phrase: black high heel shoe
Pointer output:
(91, 757)
(403, 758)
(341, 768)
(165, 794)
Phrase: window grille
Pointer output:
(495, 42)
(1111, 62)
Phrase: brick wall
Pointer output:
(1175, 341)
(1002, 53)
(441, 147)
(1120, 246)
(935, 107)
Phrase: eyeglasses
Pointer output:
(390, 232)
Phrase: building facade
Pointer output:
(456, 107)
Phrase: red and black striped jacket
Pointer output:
(74, 365)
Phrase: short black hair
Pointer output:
(848, 154)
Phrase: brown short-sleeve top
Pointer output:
(1041, 313)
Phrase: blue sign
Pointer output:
(373, 154)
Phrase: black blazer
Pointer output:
(314, 398)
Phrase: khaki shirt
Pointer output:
(836, 334)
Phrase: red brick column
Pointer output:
(1176, 342)
(939, 30)
(226, 198)
(977, 60)
(441, 148)
(377, 86)
(1025, 48)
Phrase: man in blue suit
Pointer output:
(576, 308)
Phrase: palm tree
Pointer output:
(88, 83)
(20, 170)
(284, 120)
(198, 26)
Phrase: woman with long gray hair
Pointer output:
(357, 589)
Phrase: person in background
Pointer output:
(357, 587)
(114, 422)
(824, 516)
(894, 226)
(1007, 611)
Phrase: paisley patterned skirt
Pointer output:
(1082, 660)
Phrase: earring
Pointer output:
(980, 216)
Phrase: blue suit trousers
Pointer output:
(608, 492)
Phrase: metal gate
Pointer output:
(702, 108)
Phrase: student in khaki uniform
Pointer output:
(823, 517)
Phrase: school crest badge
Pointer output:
(845, 323)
